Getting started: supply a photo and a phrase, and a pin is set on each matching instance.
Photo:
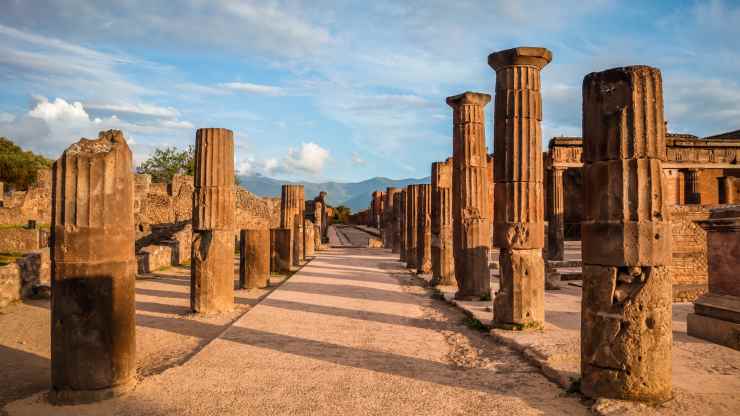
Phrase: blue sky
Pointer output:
(338, 90)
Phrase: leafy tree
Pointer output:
(341, 214)
(17, 167)
(168, 162)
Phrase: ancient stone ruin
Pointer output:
(254, 259)
(412, 226)
(291, 217)
(424, 230)
(443, 260)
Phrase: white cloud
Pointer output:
(59, 110)
(140, 108)
(357, 160)
(6, 117)
(310, 158)
(250, 88)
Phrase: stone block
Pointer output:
(627, 243)
(520, 300)
(715, 330)
(520, 217)
(154, 258)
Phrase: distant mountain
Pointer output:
(355, 195)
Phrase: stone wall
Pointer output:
(19, 239)
(10, 284)
(689, 265)
(153, 258)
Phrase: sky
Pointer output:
(339, 90)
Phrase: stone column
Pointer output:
(397, 221)
(254, 259)
(291, 217)
(389, 218)
(317, 237)
(2, 194)
(691, 179)
(308, 243)
(424, 230)
(214, 209)
(727, 183)
(412, 224)
(556, 229)
(472, 229)
(519, 222)
(93, 338)
(626, 305)
(282, 249)
(318, 209)
(402, 234)
(443, 261)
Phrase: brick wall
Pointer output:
(689, 266)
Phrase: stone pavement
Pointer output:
(352, 332)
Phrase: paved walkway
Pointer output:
(350, 333)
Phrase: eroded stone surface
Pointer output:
(291, 217)
(412, 225)
(424, 230)
(254, 259)
(443, 261)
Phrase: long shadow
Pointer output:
(162, 293)
(348, 291)
(23, 374)
(182, 281)
(354, 278)
(162, 308)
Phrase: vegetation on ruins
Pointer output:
(18, 168)
(341, 214)
(168, 162)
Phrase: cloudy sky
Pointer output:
(339, 90)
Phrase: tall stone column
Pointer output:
(318, 209)
(626, 305)
(691, 178)
(389, 218)
(2, 194)
(412, 225)
(93, 338)
(214, 210)
(424, 230)
(281, 242)
(556, 229)
(254, 258)
(519, 222)
(402, 231)
(727, 183)
(472, 229)
(397, 209)
(443, 260)
(291, 217)
(308, 243)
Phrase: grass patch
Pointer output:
(185, 264)
(475, 324)
(438, 296)
(486, 297)
(9, 258)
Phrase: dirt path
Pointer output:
(350, 333)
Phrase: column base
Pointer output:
(75, 397)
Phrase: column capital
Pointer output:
(521, 56)
(468, 97)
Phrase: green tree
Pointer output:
(168, 162)
(17, 167)
(341, 214)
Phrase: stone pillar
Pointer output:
(424, 230)
(691, 181)
(727, 183)
(396, 224)
(412, 225)
(556, 229)
(2, 194)
(626, 305)
(291, 217)
(214, 210)
(309, 249)
(389, 218)
(317, 237)
(443, 261)
(402, 232)
(519, 222)
(318, 209)
(254, 259)
(282, 249)
(716, 316)
(93, 338)
(471, 231)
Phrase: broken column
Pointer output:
(389, 218)
(471, 231)
(412, 225)
(93, 338)
(402, 225)
(281, 242)
(424, 230)
(214, 206)
(519, 204)
(626, 327)
(291, 217)
(308, 242)
(556, 227)
(443, 261)
(254, 258)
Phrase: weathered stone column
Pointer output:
(472, 229)
(397, 209)
(412, 225)
(389, 218)
(519, 211)
(254, 258)
(691, 178)
(556, 229)
(402, 231)
(424, 230)
(291, 217)
(214, 209)
(93, 338)
(2, 194)
(318, 209)
(309, 249)
(626, 305)
(727, 183)
(443, 261)
(282, 249)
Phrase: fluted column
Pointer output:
(93, 338)
(412, 225)
(424, 230)
(691, 178)
(626, 327)
(472, 228)
(443, 260)
(291, 217)
(556, 229)
(254, 258)
(309, 248)
(389, 217)
(402, 231)
(397, 209)
(519, 222)
(214, 209)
